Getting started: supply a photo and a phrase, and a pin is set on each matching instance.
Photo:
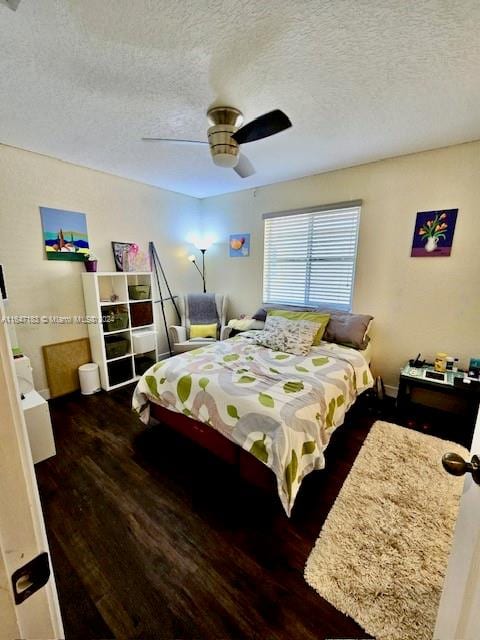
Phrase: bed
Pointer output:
(279, 409)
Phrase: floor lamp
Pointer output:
(202, 270)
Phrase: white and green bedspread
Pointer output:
(280, 407)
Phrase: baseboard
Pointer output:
(391, 391)
(164, 356)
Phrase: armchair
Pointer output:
(180, 334)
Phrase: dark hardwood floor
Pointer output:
(152, 537)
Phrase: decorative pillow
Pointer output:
(203, 330)
(349, 329)
(245, 324)
(261, 314)
(290, 336)
(319, 318)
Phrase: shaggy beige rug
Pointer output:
(382, 554)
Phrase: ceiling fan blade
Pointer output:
(244, 167)
(174, 140)
(262, 127)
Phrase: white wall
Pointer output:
(116, 209)
(419, 304)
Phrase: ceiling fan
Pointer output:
(226, 134)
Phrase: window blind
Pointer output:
(309, 256)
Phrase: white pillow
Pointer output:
(289, 336)
(245, 324)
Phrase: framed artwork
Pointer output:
(239, 245)
(433, 234)
(120, 255)
(129, 257)
(64, 234)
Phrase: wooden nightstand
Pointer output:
(447, 409)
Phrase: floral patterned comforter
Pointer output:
(280, 407)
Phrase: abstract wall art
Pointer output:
(239, 245)
(64, 234)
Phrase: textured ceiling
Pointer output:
(84, 80)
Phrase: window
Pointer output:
(309, 257)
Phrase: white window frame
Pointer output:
(318, 210)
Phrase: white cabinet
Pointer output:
(119, 306)
(39, 427)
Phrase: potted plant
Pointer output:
(90, 262)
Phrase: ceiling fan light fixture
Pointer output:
(226, 160)
(223, 147)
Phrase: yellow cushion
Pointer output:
(319, 318)
(203, 331)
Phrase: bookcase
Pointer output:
(121, 325)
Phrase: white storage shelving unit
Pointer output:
(98, 289)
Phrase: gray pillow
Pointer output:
(347, 328)
(260, 314)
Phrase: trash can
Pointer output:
(89, 378)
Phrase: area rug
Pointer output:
(382, 554)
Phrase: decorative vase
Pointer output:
(431, 244)
(91, 265)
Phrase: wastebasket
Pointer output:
(89, 378)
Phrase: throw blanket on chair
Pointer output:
(201, 308)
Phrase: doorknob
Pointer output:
(455, 465)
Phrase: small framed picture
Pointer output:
(120, 254)
(239, 245)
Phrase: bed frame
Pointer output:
(248, 467)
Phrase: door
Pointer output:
(22, 529)
(459, 612)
